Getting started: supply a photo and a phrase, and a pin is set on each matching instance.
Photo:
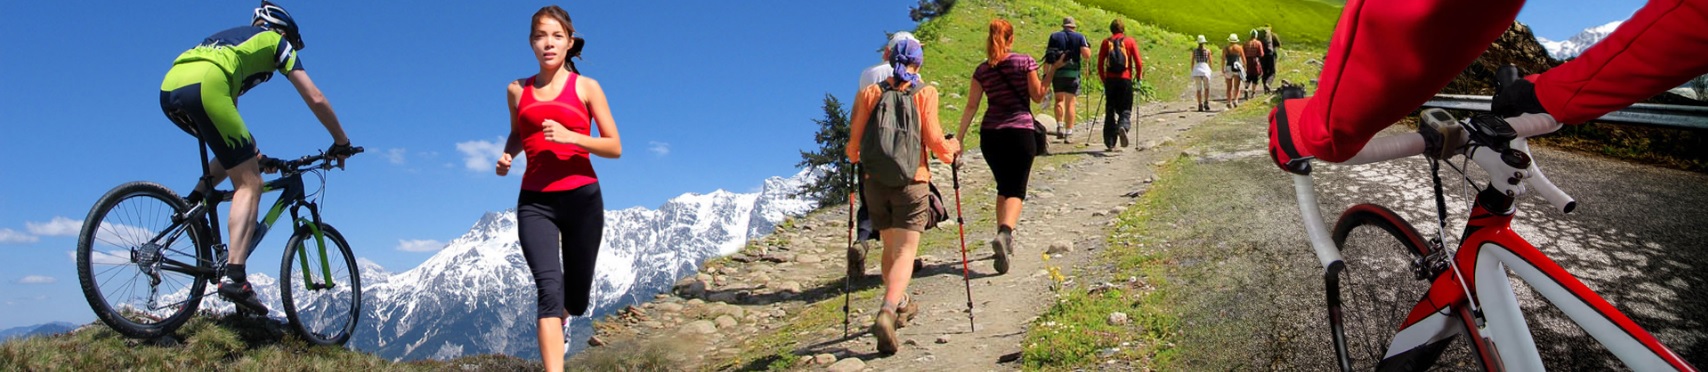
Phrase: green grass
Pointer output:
(954, 46)
(1297, 22)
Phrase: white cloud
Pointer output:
(59, 226)
(480, 155)
(423, 245)
(397, 156)
(37, 279)
(658, 148)
(9, 236)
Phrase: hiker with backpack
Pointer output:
(1121, 68)
(1254, 71)
(893, 125)
(856, 258)
(1201, 73)
(1008, 129)
(1271, 50)
(1064, 52)
(881, 71)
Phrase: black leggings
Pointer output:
(1118, 109)
(570, 222)
(1009, 152)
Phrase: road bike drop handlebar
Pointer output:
(1496, 139)
(1509, 165)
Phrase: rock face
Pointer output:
(1518, 46)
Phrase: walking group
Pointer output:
(894, 130)
(1244, 66)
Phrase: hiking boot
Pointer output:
(884, 327)
(243, 296)
(905, 313)
(1004, 247)
(1126, 140)
(856, 263)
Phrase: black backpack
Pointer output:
(891, 146)
(1116, 61)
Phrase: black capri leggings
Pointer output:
(576, 218)
(1009, 152)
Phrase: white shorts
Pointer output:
(1201, 69)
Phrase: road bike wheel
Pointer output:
(1379, 287)
(322, 312)
(142, 274)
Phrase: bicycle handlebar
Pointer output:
(306, 163)
(1526, 126)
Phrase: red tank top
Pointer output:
(554, 166)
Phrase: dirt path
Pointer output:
(1069, 211)
(764, 291)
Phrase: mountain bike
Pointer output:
(1396, 301)
(145, 255)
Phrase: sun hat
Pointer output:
(1201, 39)
(1068, 22)
(1233, 38)
(896, 38)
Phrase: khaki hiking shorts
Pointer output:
(906, 207)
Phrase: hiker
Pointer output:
(1121, 68)
(1254, 71)
(199, 95)
(1064, 52)
(1271, 50)
(560, 211)
(1201, 73)
(1364, 92)
(897, 180)
(881, 71)
(1007, 131)
(1233, 69)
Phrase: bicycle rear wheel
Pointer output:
(323, 311)
(142, 274)
(1379, 287)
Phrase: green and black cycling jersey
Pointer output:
(200, 92)
(247, 54)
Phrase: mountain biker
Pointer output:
(1363, 90)
(199, 94)
(560, 211)
(900, 213)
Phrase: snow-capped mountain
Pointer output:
(1570, 48)
(476, 295)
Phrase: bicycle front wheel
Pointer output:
(142, 274)
(1379, 286)
(321, 286)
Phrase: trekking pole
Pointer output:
(847, 280)
(1097, 115)
(961, 225)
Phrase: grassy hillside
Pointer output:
(214, 343)
(1297, 22)
(954, 45)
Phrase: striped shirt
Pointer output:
(1005, 89)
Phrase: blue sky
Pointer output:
(705, 97)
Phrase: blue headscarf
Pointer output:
(906, 53)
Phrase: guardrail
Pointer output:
(1676, 116)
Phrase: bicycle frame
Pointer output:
(1487, 311)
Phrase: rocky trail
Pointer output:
(1075, 195)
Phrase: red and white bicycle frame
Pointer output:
(1476, 296)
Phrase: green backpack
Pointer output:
(891, 146)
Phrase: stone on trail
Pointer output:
(724, 322)
(702, 327)
(823, 359)
(668, 307)
(847, 365)
(1060, 247)
(807, 259)
(690, 287)
(1118, 319)
(789, 287)
(944, 339)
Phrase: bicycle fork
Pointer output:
(313, 224)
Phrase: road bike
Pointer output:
(146, 256)
(1396, 300)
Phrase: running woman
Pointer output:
(560, 213)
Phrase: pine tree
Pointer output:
(928, 9)
(831, 186)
